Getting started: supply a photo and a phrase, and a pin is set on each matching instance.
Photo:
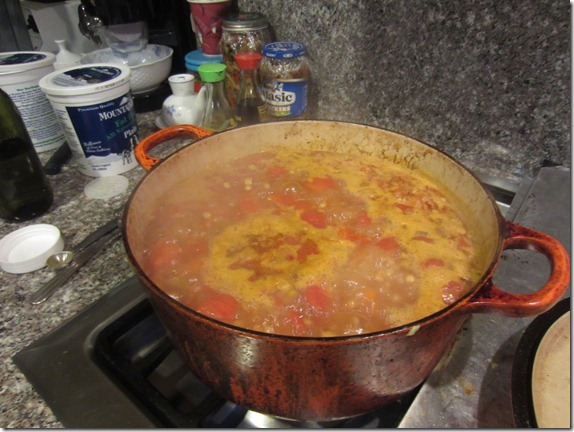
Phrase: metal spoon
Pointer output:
(62, 259)
(63, 275)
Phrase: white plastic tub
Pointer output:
(20, 73)
(96, 109)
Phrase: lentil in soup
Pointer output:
(310, 243)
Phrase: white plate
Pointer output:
(541, 371)
(551, 376)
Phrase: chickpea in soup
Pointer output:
(310, 243)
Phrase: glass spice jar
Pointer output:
(241, 32)
(285, 75)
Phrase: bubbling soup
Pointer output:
(310, 243)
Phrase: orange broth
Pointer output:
(310, 243)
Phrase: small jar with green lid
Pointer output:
(241, 32)
(218, 115)
(194, 59)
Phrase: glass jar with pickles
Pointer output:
(241, 32)
(285, 75)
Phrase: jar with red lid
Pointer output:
(251, 107)
(241, 32)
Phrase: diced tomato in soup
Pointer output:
(310, 244)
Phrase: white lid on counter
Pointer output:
(27, 249)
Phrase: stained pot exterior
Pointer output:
(306, 380)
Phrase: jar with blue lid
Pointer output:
(285, 75)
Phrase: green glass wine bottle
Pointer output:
(25, 190)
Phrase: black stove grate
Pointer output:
(136, 351)
(137, 354)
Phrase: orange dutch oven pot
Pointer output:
(319, 379)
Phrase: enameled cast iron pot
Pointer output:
(330, 378)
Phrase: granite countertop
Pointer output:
(22, 323)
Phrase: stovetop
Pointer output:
(153, 372)
(123, 372)
(114, 366)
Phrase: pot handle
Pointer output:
(492, 299)
(156, 138)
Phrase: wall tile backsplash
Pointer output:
(487, 82)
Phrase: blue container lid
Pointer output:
(284, 50)
(194, 59)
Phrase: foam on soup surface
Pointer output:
(310, 244)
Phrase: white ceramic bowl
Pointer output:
(149, 67)
(28, 248)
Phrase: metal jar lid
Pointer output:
(284, 50)
(245, 21)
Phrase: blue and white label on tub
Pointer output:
(107, 133)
